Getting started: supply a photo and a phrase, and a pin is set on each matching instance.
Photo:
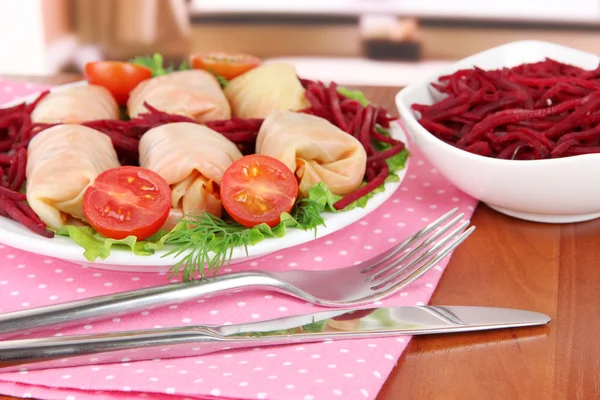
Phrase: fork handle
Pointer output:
(107, 306)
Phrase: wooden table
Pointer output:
(506, 263)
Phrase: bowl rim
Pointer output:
(408, 116)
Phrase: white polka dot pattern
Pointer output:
(310, 371)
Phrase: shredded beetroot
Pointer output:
(125, 135)
(328, 100)
(532, 111)
(19, 162)
(11, 194)
(16, 130)
(373, 184)
(361, 122)
(336, 108)
(11, 209)
(242, 132)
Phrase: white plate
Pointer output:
(17, 236)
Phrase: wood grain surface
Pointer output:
(507, 262)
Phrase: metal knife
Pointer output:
(116, 347)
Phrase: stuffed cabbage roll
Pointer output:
(193, 93)
(62, 162)
(76, 104)
(192, 159)
(314, 149)
(266, 88)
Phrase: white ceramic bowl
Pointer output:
(554, 191)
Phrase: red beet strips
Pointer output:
(242, 132)
(532, 111)
(126, 135)
(16, 130)
(361, 122)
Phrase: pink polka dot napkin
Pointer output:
(346, 369)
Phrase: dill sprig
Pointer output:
(204, 243)
(307, 213)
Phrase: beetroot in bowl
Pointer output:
(517, 128)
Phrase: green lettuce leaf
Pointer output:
(395, 164)
(222, 80)
(97, 246)
(156, 63)
(355, 95)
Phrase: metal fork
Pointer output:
(351, 286)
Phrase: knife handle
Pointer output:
(102, 348)
(126, 346)
(118, 304)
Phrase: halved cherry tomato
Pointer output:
(228, 65)
(117, 76)
(127, 201)
(257, 189)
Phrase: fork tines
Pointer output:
(417, 254)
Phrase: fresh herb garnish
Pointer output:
(124, 113)
(222, 81)
(204, 243)
(354, 95)
(156, 64)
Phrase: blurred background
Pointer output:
(377, 42)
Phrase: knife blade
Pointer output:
(175, 342)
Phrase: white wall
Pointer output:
(548, 10)
(22, 47)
